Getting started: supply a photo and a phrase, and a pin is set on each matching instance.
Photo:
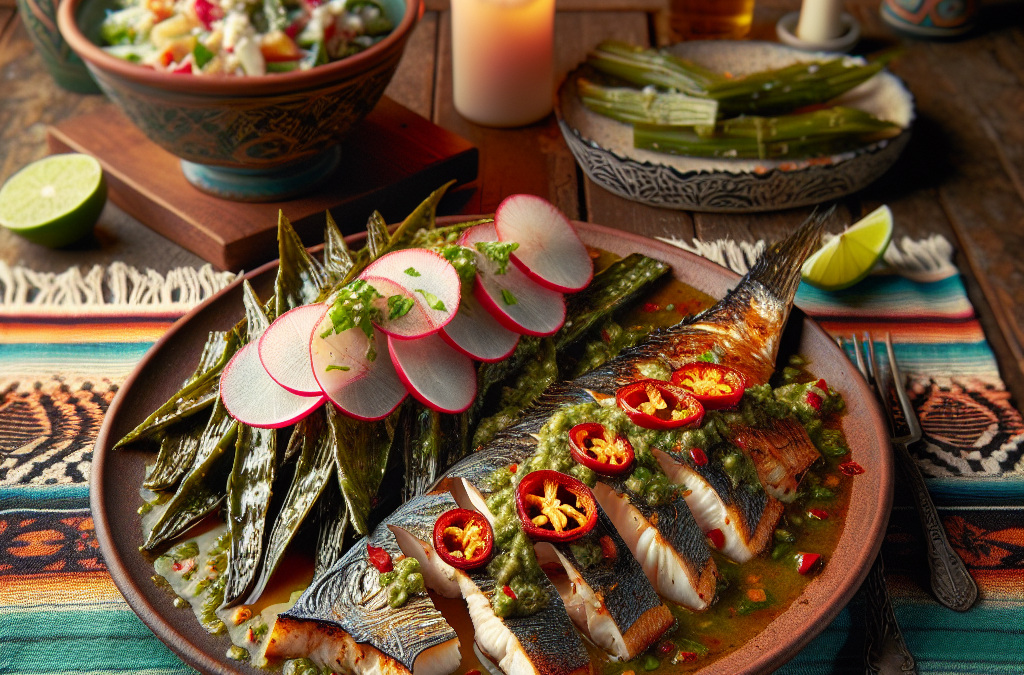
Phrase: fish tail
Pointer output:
(778, 269)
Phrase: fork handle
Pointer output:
(951, 582)
(885, 652)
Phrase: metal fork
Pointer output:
(885, 651)
(950, 581)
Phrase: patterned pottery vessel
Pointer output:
(245, 138)
(604, 147)
(67, 70)
(930, 18)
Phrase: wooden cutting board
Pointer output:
(390, 162)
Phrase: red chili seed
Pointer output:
(380, 559)
(514, 468)
(699, 458)
(177, 566)
(686, 656)
(651, 307)
(806, 561)
(717, 537)
(507, 590)
(851, 468)
(814, 400)
(818, 513)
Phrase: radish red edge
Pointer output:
(495, 310)
(445, 368)
(513, 220)
(286, 372)
(254, 400)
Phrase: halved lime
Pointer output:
(54, 201)
(849, 257)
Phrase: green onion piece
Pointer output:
(507, 296)
(432, 300)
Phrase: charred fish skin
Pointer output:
(615, 578)
(745, 513)
(349, 598)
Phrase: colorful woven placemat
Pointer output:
(68, 341)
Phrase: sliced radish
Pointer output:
(477, 334)
(550, 252)
(435, 373)
(284, 350)
(512, 298)
(424, 276)
(416, 323)
(252, 397)
(361, 388)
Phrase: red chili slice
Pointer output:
(595, 447)
(463, 539)
(699, 458)
(653, 404)
(805, 562)
(714, 385)
(380, 559)
(717, 537)
(818, 514)
(507, 590)
(555, 507)
(851, 468)
(814, 400)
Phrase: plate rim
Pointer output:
(738, 661)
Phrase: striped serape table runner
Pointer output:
(67, 342)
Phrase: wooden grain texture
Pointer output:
(391, 161)
(413, 83)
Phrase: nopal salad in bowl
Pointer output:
(276, 85)
(242, 37)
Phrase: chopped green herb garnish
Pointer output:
(334, 367)
(353, 307)
(399, 305)
(412, 272)
(201, 54)
(498, 252)
(432, 300)
(507, 296)
(707, 357)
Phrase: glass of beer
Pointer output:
(711, 19)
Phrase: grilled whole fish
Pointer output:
(781, 452)
(343, 620)
(744, 330)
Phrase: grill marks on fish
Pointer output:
(745, 514)
(345, 621)
(782, 453)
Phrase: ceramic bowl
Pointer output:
(604, 147)
(40, 20)
(246, 138)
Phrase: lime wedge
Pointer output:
(849, 257)
(54, 201)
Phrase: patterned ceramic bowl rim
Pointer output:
(228, 85)
(764, 174)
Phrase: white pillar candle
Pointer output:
(503, 60)
(819, 20)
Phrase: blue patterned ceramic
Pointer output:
(245, 138)
(604, 147)
(40, 19)
(930, 18)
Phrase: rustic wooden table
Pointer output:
(962, 175)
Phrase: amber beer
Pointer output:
(712, 19)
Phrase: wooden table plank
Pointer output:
(413, 81)
(532, 159)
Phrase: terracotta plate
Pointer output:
(116, 475)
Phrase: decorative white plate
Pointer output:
(604, 147)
